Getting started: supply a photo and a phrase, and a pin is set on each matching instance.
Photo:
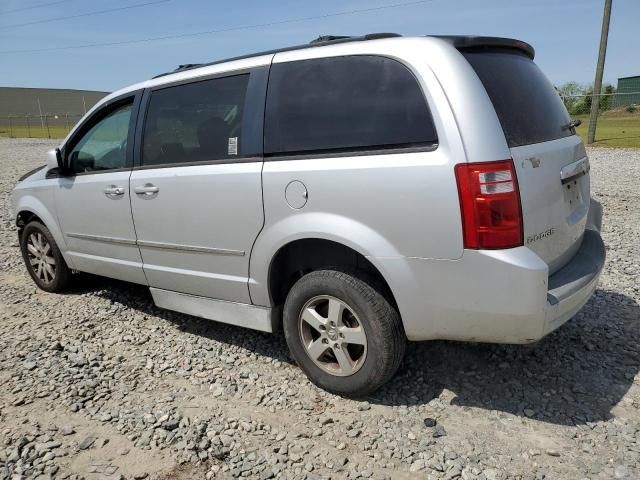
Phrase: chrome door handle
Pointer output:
(146, 189)
(113, 191)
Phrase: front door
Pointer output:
(93, 202)
(196, 195)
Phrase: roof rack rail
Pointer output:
(186, 66)
(328, 38)
(180, 68)
(321, 41)
(324, 39)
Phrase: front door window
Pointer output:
(104, 146)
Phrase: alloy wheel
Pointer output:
(41, 257)
(333, 336)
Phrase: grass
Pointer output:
(616, 128)
(34, 131)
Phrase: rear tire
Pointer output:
(43, 259)
(343, 333)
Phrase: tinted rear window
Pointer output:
(345, 103)
(529, 109)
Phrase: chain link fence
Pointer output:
(49, 125)
(580, 104)
(43, 112)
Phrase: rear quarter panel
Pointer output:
(390, 205)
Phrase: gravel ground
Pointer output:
(99, 383)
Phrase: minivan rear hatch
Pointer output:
(549, 158)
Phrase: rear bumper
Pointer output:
(499, 296)
(571, 287)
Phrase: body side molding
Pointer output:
(190, 248)
(149, 244)
(101, 238)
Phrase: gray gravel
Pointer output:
(99, 383)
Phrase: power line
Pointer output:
(32, 7)
(88, 14)
(222, 30)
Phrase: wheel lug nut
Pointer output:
(324, 340)
(336, 346)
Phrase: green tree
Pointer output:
(583, 106)
(570, 93)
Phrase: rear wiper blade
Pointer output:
(572, 124)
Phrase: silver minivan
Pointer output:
(356, 192)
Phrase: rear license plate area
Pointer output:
(573, 194)
(576, 198)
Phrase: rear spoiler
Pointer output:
(474, 43)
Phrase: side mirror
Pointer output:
(59, 158)
(54, 160)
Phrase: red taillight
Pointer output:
(490, 205)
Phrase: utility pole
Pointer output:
(597, 84)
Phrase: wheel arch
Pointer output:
(29, 208)
(369, 243)
(301, 256)
(368, 248)
(25, 216)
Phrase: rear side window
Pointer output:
(345, 103)
(528, 107)
(195, 122)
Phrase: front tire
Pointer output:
(342, 332)
(43, 259)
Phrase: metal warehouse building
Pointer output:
(630, 87)
(46, 101)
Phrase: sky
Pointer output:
(34, 38)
